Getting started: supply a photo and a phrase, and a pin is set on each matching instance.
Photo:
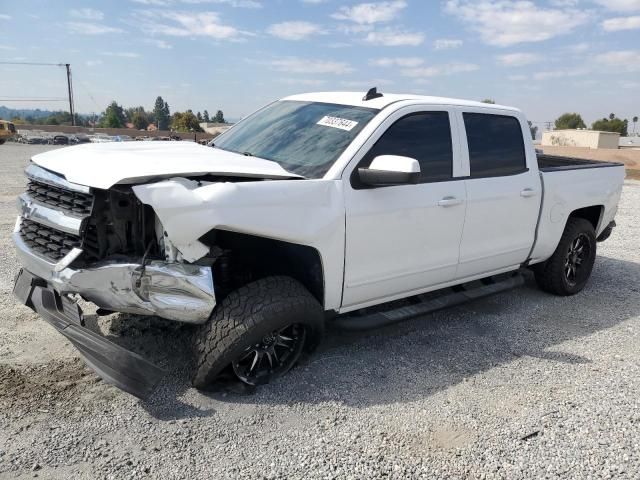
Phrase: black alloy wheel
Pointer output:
(272, 356)
(574, 266)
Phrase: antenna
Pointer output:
(371, 94)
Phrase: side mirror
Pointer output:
(388, 170)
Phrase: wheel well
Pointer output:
(242, 258)
(591, 214)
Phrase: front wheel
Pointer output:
(570, 266)
(259, 331)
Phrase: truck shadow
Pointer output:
(417, 358)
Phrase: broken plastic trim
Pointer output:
(114, 364)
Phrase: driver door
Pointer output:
(404, 239)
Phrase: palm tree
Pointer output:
(612, 116)
(635, 120)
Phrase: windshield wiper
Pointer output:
(248, 154)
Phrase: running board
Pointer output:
(432, 302)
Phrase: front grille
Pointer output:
(47, 241)
(61, 199)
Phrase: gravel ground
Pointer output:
(517, 386)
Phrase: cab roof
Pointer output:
(356, 99)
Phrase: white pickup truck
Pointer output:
(317, 206)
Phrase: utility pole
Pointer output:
(70, 88)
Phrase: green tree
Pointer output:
(185, 122)
(161, 114)
(140, 120)
(489, 100)
(533, 130)
(635, 120)
(569, 121)
(205, 117)
(219, 117)
(114, 116)
(199, 116)
(611, 125)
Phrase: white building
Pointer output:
(580, 138)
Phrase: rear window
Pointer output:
(496, 145)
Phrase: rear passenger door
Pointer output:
(503, 193)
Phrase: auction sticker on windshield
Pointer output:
(337, 122)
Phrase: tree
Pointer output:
(219, 117)
(612, 116)
(205, 117)
(185, 122)
(199, 117)
(140, 120)
(611, 125)
(114, 116)
(533, 130)
(635, 120)
(569, 121)
(161, 113)
(489, 100)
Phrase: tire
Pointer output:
(554, 275)
(2, 141)
(248, 316)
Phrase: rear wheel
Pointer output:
(570, 266)
(259, 332)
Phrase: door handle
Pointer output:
(528, 192)
(449, 202)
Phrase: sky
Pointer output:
(545, 57)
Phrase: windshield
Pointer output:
(303, 137)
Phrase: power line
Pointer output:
(33, 99)
(69, 84)
(34, 63)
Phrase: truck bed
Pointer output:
(552, 163)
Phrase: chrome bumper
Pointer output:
(175, 291)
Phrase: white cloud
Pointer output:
(394, 38)
(366, 84)
(440, 70)
(302, 65)
(294, 30)
(518, 59)
(407, 62)
(88, 28)
(563, 73)
(446, 44)
(509, 22)
(620, 5)
(121, 54)
(630, 84)
(314, 2)
(6, 47)
(621, 23)
(86, 13)
(232, 3)
(93, 63)
(620, 61)
(309, 82)
(5, 17)
(517, 78)
(158, 43)
(187, 24)
(370, 13)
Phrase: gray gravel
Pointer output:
(521, 385)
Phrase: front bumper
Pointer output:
(175, 291)
(115, 365)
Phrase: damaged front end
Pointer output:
(110, 249)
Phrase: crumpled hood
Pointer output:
(102, 165)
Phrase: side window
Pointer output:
(496, 146)
(425, 136)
